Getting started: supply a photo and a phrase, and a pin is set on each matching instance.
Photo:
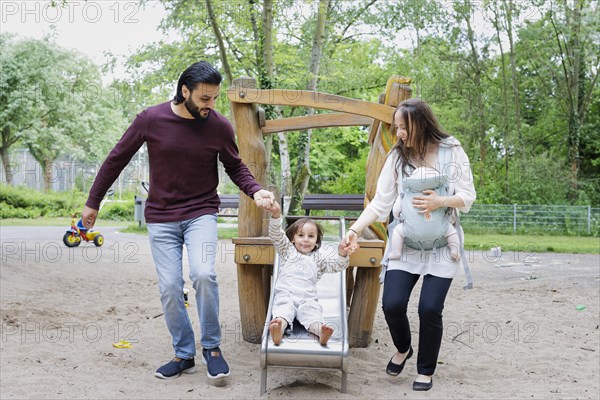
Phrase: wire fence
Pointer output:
(516, 218)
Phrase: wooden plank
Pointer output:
(371, 243)
(265, 240)
(259, 240)
(306, 98)
(369, 255)
(314, 121)
(253, 254)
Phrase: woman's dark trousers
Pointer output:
(397, 288)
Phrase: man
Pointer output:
(184, 138)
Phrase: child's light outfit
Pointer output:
(422, 229)
(296, 286)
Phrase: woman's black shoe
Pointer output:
(395, 369)
(423, 386)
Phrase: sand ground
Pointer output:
(517, 334)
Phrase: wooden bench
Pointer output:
(340, 202)
(346, 202)
(229, 201)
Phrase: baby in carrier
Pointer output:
(428, 230)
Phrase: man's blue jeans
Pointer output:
(200, 238)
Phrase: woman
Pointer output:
(420, 142)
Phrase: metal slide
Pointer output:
(301, 349)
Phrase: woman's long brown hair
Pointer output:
(422, 129)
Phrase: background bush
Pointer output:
(21, 202)
(117, 211)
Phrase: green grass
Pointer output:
(228, 233)
(135, 229)
(533, 243)
(474, 241)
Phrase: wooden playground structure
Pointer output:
(254, 253)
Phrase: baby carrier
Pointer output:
(428, 231)
(425, 231)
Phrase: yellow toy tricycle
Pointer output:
(77, 232)
(73, 236)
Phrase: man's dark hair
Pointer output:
(200, 72)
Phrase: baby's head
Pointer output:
(305, 234)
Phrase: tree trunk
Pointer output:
(286, 172)
(47, 168)
(6, 156)
(514, 75)
(303, 168)
(506, 115)
(267, 29)
(219, 37)
(575, 52)
(264, 60)
(480, 105)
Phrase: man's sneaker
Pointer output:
(216, 366)
(173, 369)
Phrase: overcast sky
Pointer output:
(98, 26)
(92, 27)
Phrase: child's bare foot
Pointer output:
(325, 333)
(276, 330)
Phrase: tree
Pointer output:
(302, 175)
(56, 104)
(12, 101)
(562, 53)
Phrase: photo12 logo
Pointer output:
(69, 11)
(68, 332)
(56, 253)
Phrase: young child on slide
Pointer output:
(303, 262)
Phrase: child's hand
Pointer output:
(342, 249)
(275, 210)
(349, 243)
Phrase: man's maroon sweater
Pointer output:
(183, 163)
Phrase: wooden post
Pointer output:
(252, 151)
(364, 306)
(253, 304)
(381, 138)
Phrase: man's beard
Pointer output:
(193, 109)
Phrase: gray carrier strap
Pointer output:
(463, 255)
(445, 156)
